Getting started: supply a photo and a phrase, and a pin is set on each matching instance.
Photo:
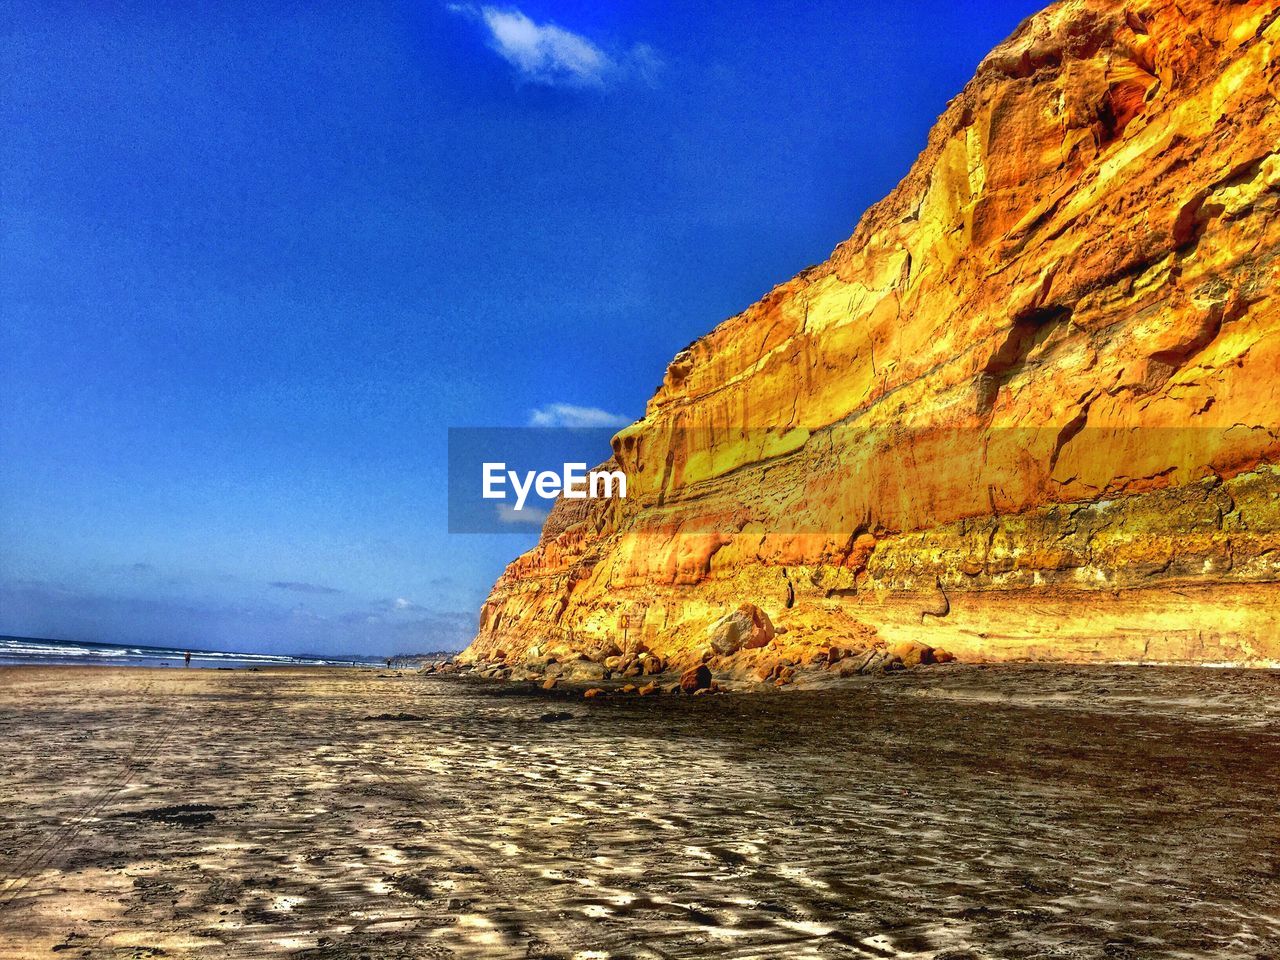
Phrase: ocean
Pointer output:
(29, 650)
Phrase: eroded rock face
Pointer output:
(1029, 409)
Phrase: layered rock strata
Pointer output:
(1031, 408)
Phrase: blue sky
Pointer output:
(258, 257)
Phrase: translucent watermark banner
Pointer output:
(842, 478)
(506, 480)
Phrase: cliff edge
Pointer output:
(1030, 409)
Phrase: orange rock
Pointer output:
(695, 679)
(912, 654)
(592, 692)
(648, 689)
(549, 683)
(1029, 408)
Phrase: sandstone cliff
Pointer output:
(1029, 409)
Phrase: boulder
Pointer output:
(814, 658)
(870, 661)
(762, 631)
(912, 653)
(648, 690)
(652, 665)
(747, 628)
(695, 679)
(550, 683)
(580, 671)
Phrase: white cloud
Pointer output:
(568, 415)
(529, 515)
(398, 605)
(646, 63)
(544, 52)
(553, 56)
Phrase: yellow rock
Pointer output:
(1029, 409)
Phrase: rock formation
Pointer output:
(1031, 408)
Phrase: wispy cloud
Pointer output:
(548, 54)
(568, 415)
(399, 604)
(298, 587)
(530, 516)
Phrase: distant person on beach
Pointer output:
(186, 659)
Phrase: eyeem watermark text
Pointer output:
(574, 482)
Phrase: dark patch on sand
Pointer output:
(182, 815)
(556, 716)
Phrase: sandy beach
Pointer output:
(952, 812)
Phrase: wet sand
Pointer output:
(952, 812)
